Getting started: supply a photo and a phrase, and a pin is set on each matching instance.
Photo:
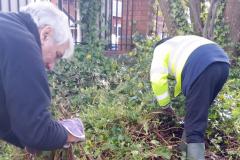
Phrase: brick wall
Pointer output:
(140, 12)
(137, 17)
(142, 16)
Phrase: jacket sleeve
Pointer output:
(159, 74)
(28, 97)
(11, 138)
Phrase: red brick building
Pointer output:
(137, 17)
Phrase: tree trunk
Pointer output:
(232, 14)
(209, 26)
(170, 23)
(195, 11)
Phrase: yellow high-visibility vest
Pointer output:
(169, 58)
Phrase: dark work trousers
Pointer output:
(199, 98)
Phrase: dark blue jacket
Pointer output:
(24, 92)
(198, 61)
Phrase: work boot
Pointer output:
(183, 146)
(195, 151)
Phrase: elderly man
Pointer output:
(31, 41)
(200, 68)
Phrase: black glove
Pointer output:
(168, 110)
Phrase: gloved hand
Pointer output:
(75, 129)
(168, 110)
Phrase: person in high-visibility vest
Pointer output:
(200, 68)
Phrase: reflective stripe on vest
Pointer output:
(162, 96)
(159, 74)
(163, 99)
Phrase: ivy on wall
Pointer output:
(90, 16)
(155, 13)
(178, 12)
(221, 29)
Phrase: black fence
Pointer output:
(69, 7)
(118, 17)
(117, 20)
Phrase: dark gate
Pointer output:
(118, 20)
(119, 14)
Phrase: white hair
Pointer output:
(47, 14)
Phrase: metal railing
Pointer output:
(117, 20)
(69, 7)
